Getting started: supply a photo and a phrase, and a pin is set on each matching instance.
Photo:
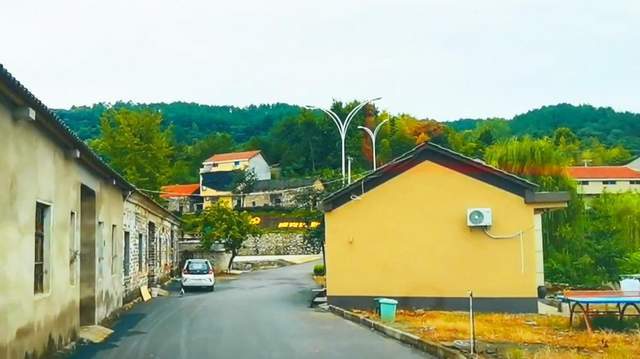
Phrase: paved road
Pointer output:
(260, 315)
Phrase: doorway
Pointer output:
(87, 256)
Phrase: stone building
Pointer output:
(150, 243)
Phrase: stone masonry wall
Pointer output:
(277, 243)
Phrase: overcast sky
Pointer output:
(439, 59)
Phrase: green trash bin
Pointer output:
(387, 309)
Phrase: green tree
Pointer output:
(134, 144)
(221, 224)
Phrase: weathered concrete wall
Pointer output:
(277, 243)
(36, 168)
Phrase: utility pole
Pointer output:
(343, 126)
(373, 135)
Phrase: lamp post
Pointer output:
(373, 135)
(343, 126)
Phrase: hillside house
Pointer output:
(594, 180)
(234, 161)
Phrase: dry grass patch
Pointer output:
(526, 331)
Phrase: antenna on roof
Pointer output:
(586, 162)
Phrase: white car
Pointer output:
(198, 273)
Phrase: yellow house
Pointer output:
(234, 161)
(431, 226)
(218, 172)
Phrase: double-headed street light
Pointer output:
(343, 126)
(373, 135)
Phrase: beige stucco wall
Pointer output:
(409, 238)
(35, 168)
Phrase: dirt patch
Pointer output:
(525, 335)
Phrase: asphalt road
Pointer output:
(260, 315)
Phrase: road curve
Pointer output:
(260, 315)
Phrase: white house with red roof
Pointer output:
(597, 179)
(233, 161)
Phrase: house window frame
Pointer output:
(584, 183)
(609, 182)
(141, 246)
(634, 182)
(101, 244)
(114, 249)
(74, 253)
(44, 287)
(126, 265)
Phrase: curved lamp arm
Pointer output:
(375, 132)
(353, 112)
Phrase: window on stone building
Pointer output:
(140, 251)
(42, 237)
(127, 255)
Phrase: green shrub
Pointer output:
(318, 270)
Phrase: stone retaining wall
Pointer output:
(277, 243)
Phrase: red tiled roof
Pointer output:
(179, 190)
(233, 156)
(603, 172)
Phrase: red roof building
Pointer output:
(179, 190)
(603, 172)
(233, 156)
(598, 179)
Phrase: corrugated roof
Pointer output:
(180, 190)
(233, 156)
(603, 172)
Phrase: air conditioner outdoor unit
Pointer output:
(479, 217)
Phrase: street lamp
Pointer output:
(373, 135)
(343, 126)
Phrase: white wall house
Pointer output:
(594, 180)
(233, 161)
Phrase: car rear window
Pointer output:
(198, 267)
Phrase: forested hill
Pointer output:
(190, 121)
(585, 121)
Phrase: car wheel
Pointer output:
(212, 288)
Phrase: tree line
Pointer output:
(586, 244)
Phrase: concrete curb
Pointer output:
(432, 348)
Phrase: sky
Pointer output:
(440, 59)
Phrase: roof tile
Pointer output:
(233, 156)
(615, 172)
(179, 190)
